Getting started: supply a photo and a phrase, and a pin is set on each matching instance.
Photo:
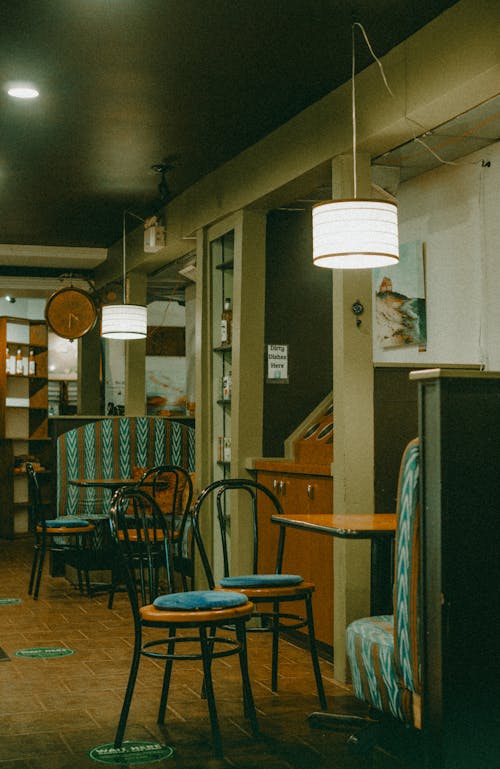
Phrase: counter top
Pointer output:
(285, 465)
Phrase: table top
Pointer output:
(356, 526)
(103, 483)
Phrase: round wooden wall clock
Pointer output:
(71, 312)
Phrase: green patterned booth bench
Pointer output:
(384, 651)
(115, 448)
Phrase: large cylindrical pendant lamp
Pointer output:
(124, 321)
(355, 234)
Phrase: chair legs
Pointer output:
(40, 551)
(275, 646)
(249, 705)
(36, 569)
(130, 689)
(36, 555)
(206, 640)
(314, 654)
(206, 649)
(166, 677)
(276, 629)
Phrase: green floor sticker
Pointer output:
(7, 601)
(131, 753)
(44, 652)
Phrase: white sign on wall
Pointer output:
(277, 363)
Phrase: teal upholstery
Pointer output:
(67, 521)
(111, 448)
(199, 600)
(383, 651)
(261, 580)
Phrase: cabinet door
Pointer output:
(268, 532)
(307, 554)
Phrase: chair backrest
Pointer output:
(407, 570)
(171, 486)
(140, 538)
(112, 448)
(222, 496)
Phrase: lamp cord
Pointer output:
(353, 91)
(353, 96)
(124, 248)
(124, 251)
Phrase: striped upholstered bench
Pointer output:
(383, 651)
(116, 448)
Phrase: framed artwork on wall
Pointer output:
(399, 300)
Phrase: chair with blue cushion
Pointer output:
(66, 534)
(383, 651)
(140, 537)
(171, 487)
(268, 591)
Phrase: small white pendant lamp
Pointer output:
(357, 233)
(124, 321)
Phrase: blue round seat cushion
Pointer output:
(199, 600)
(261, 580)
(66, 521)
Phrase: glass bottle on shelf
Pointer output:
(226, 324)
(31, 364)
(19, 362)
(227, 383)
(7, 361)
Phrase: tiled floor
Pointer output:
(53, 711)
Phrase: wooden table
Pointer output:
(380, 528)
(102, 483)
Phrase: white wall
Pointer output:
(454, 211)
(34, 309)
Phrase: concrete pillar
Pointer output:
(89, 366)
(353, 418)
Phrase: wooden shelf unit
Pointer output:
(23, 421)
(222, 258)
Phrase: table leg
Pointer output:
(382, 577)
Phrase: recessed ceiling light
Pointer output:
(23, 91)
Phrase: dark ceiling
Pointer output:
(128, 84)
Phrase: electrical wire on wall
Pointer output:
(484, 358)
(425, 132)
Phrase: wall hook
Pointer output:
(357, 309)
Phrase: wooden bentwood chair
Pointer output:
(272, 589)
(66, 534)
(190, 617)
(172, 488)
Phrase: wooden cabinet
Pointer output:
(23, 419)
(300, 489)
(459, 425)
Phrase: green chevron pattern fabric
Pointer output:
(383, 651)
(370, 648)
(110, 448)
(407, 564)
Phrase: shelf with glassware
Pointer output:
(23, 418)
(222, 292)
